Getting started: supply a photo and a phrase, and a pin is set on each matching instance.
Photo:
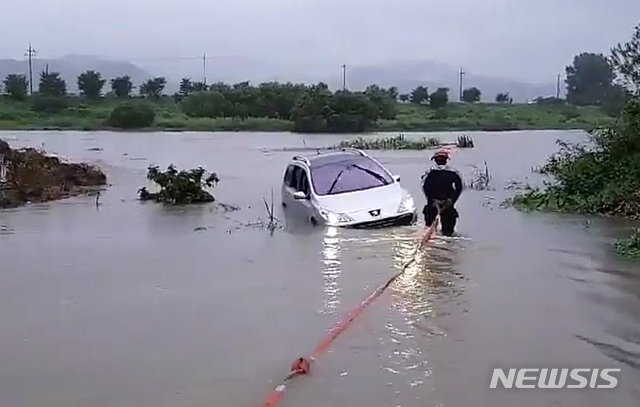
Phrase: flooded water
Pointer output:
(127, 304)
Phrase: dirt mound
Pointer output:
(32, 176)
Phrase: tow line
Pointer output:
(302, 366)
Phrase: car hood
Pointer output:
(386, 197)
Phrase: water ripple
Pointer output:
(331, 271)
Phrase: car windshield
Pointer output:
(351, 174)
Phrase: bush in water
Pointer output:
(630, 246)
(179, 187)
(131, 115)
(603, 178)
(390, 143)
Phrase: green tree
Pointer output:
(589, 80)
(419, 95)
(471, 95)
(439, 98)
(384, 99)
(503, 98)
(51, 84)
(625, 59)
(186, 87)
(132, 115)
(122, 86)
(15, 86)
(207, 104)
(199, 86)
(404, 98)
(90, 84)
(153, 88)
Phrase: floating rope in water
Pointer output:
(302, 366)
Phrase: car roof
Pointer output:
(332, 157)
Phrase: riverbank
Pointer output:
(88, 116)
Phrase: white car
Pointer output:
(346, 188)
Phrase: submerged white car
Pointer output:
(346, 188)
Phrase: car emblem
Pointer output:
(375, 212)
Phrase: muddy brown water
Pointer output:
(126, 305)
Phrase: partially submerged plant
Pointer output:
(179, 187)
(481, 178)
(464, 141)
(399, 142)
(629, 247)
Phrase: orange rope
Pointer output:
(302, 366)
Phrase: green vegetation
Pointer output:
(179, 187)
(603, 176)
(495, 117)
(629, 247)
(592, 100)
(78, 113)
(400, 142)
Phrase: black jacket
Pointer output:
(441, 184)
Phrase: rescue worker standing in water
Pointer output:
(442, 187)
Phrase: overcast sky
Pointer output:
(522, 39)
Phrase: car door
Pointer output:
(285, 191)
(306, 207)
(291, 186)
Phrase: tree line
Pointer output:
(91, 85)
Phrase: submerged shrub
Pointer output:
(629, 247)
(391, 143)
(179, 187)
(600, 178)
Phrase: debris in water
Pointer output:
(464, 141)
(481, 178)
(228, 207)
(29, 175)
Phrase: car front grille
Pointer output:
(400, 220)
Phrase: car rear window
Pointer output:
(355, 174)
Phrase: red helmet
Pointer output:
(440, 154)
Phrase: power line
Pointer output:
(462, 73)
(204, 68)
(30, 54)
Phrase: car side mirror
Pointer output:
(299, 195)
(396, 178)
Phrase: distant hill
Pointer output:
(71, 66)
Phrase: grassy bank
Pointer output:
(495, 117)
(84, 115)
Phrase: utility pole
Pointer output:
(462, 72)
(344, 77)
(30, 54)
(204, 68)
(558, 86)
